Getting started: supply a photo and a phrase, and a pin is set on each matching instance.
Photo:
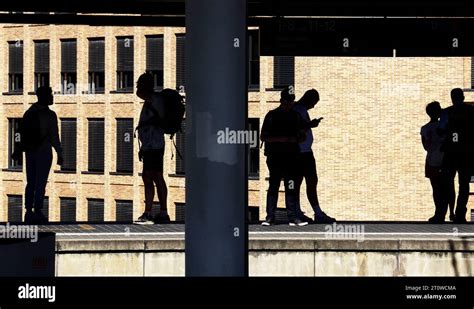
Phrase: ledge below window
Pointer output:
(177, 175)
(13, 93)
(15, 170)
(92, 173)
(278, 89)
(121, 173)
(121, 91)
(468, 89)
(64, 172)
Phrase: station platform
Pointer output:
(342, 249)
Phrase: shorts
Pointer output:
(307, 164)
(153, 160)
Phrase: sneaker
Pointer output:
(39, 217)
(323, 218)
(436, 220)
(29, 216)
(268, 222)
(144, 219)
(460, 220)
(452, 217)
(298, 222)
(162, 218)
(307, 219)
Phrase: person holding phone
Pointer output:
(306, 161)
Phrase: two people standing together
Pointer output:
(286, 132)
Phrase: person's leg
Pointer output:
(147, 177)
(162, 191)
(451, 198)
(447, 176)
(43, 166)
(30, 180)
(464, 178)
(311, 178)
(273, 187)
(291, 178)
(437, 192)
(298, 183)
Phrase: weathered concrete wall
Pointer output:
(391, 257)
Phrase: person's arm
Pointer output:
(425, 143)
(54, 138)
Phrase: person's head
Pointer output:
(310, 98)
(457, 96)
(45, 95)
(287, 98)
(145, 85)
(433, 110)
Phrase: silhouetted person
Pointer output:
(38, 135)
(305, 159)
(432, 141)
(151, 137)
(457, 122)
(281, 132)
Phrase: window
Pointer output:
(15, 67)
(45, 209)
(69, 143)
(95, 210)
(180, 149)
(254, 150)
(15, 208)
(68, 66)
(254, 59)
(96, 145)
(125, 145)
(154, 59)
(283, 71)
(180, 212)
(41, 64)
(124, 211)
(68, 209)
(180, 62)
(96, 65)
(125, 64)
(253, 214)
(472, 72)
(14, 139)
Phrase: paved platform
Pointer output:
(374, 230)
(342, 249)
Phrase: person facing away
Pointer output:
(457, 122)
(282, 130)
(306, 160)
(152, 147)
(432, 141)
(38, 135)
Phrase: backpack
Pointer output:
(174, 111)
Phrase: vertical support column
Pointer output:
(216, 168)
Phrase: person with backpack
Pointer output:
(162, 113)
(38, 135)
(282, 130)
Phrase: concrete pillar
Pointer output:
(216, 173)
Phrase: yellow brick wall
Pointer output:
(369, 156)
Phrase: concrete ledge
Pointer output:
(99, 245)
